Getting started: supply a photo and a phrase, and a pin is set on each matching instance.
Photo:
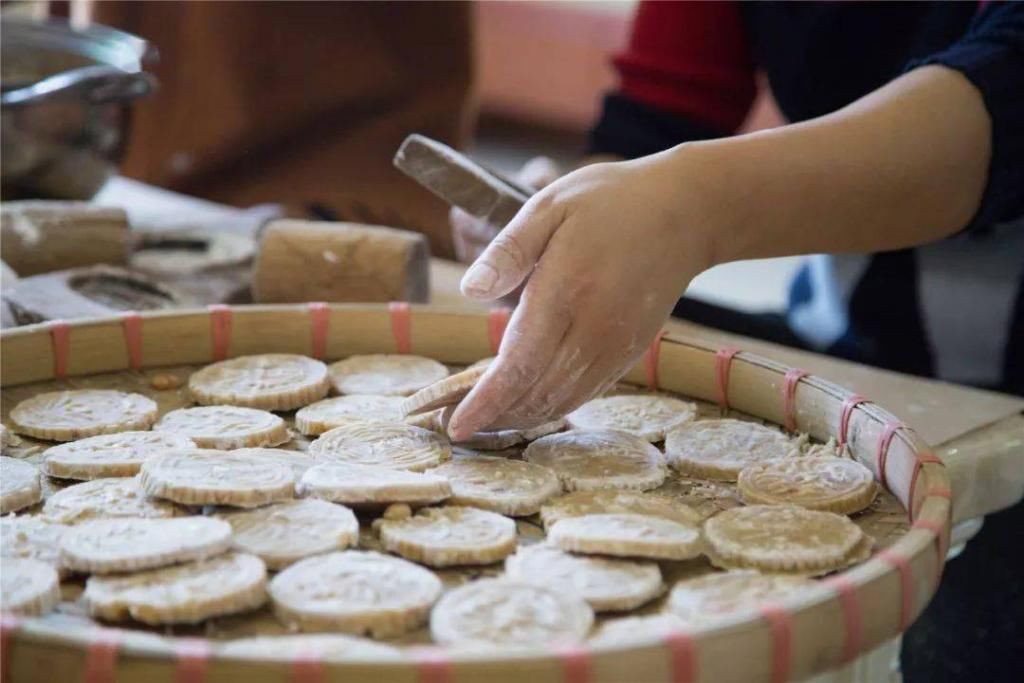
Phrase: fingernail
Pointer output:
(479, 279)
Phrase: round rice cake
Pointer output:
(20, 486)
(327, 647)
(105, 546)
(648, 416)
(627, 535)
(109, 455)
(599, 459)
(284, 533)
(508, 487)
(28, 587)
(712, 597)
(491, 613)
(385, 444)
(329, 413)
(299, 461)
(385, 374)
(6, 438)
(647, 627)
(32, 537)
(77, 413)
(606, 584)
(225, 427)
(356, 592)
(824, 483)
(182, 594)
(720, 449)
(598, 501)
(447, 391)
(450, 536)
(269, 381)
(361, 485)
(212, 477)
(783, 538)
(104, 499)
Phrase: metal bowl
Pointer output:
(63, 102)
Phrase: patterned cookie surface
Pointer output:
(599, 459)
(356, 592)
(212, 477)
(353, 484)
(77, 413)
(384, 374)
(329, 413)
(720, 449)
(20, 486)
(599, 501)
(106, 498)
(385, 444)
(627, 535)
(109, 455)
(284, 533)
(449, 536)
(28, 587)
(815, 482)
(647, 416)
(225, 427)
(712, 597)
(271, 381)
(32, 537)
(508, 487)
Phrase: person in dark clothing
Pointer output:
(900, 174)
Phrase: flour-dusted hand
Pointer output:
(472, 235)
(603, 259)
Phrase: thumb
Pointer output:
(513, 253)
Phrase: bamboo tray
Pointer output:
(852, 612)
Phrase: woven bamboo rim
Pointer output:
(852, 613)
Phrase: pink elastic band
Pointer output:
(940, 550)
(940, 492)
(575, 664)
(882, 453)
(9, 623)
(307, 668)
(131, 323)
(723, 363)
(101, 658)
(651, 361)
(683, 662)
(497, 321)
(60, 339)
(192, 656)
(220, 330)
(849, 403)
(846, 590)
(432, 665)
(782, 640)
(319, 319)
(401, 325)
(901, 564)
(789, 382)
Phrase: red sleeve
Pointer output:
(690, 58)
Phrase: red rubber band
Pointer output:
(319, 319)
(723, 363)
(220, 330)
(575, 664)
(901, 564)
(682, 657)
(307, 668)
(882, 453)
(60, 340)
(101, 658)
(651, 361)
(929, 458)
(940, 550)
(497, 321)
(929, 524)
(9, 623)
(401, 325)
(432, 665)
(782, 640)
(789, 382)
(940, 492)
(846, 590)
(131, 324)
(849, 403)
(192, 657)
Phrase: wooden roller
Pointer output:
(301, 261)
(42, 236)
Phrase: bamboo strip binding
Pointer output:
(852, 613)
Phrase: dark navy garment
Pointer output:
(952, 309)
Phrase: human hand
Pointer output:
(605, 252)
(471, 235)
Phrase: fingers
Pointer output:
(513, 253)
(535, 331)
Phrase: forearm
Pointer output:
(903, 166)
